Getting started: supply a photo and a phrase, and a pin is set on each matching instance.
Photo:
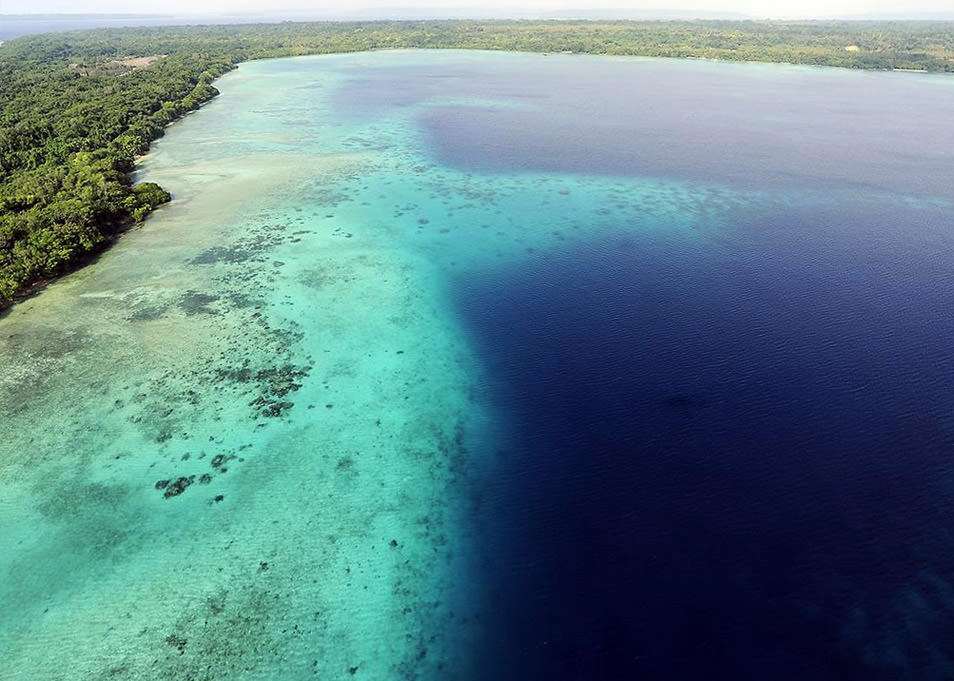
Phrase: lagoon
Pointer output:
(456, 364)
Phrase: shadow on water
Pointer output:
(717, 470)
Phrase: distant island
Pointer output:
(77, 108)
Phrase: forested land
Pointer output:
(77, 108)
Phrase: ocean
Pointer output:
(465, 365)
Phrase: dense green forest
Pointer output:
(77, 108)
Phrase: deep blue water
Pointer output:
(732, 466)
(729, 455)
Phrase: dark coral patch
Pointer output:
(179, 486)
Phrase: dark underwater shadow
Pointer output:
(713, 471)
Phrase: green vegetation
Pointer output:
(77, 108)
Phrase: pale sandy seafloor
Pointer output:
(277, 345)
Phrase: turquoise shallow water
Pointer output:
(256, 439)
(264, 347)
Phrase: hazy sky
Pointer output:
(758, 8)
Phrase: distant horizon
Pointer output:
(469, 12)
